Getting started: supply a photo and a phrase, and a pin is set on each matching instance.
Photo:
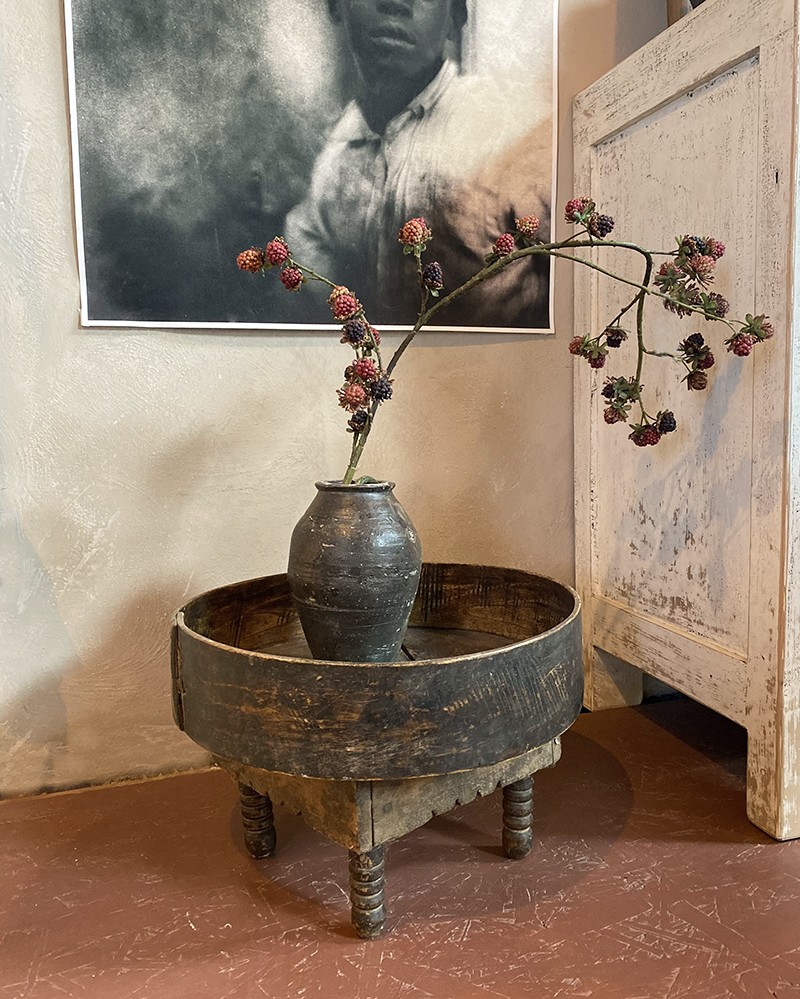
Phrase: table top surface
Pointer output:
(492, 670)
(418, 644)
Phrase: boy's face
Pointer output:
(402, 36)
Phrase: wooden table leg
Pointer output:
(258, 822)
(366, 892)
(517, 817)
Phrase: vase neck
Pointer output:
(336, 485)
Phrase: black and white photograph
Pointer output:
(203, 128)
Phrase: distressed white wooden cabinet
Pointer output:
(688, 552)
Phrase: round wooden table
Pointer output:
(366, 752)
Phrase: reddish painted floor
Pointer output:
(645, 882)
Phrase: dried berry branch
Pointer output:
(681, 283)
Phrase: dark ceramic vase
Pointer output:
(354, 565)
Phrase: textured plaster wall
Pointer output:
(138, 468)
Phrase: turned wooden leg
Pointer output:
(517, 816)
(258, 822)
(366, 892)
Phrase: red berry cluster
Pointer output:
(505, 244)
(344, 304)
(365, 369)
(353, 396)
(584, 211)
(649, 433)
(578, 209)
(527, 227)
(645, 434)
(365, 380)
(740, 344)
(684, 279)
(591, 348)
(414, 235)
(251, 260)
(292, 278)
(274, 254)
(595, 349)
(755, 330)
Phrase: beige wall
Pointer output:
(141, 467)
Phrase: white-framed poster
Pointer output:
(200, 129)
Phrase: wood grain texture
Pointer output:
(400, 806)
(687, 561)
(360, 815)
(358, 721)
(340, 810)
(698, 668)
(715, 37)
(773, 697)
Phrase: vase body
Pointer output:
(354, 564)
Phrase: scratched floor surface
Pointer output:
(645, 882)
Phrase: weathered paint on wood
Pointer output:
(697, 666)
(243, 701)
(687, 556)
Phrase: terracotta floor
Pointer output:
(646, 882)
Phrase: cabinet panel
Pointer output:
(684, 551)
(673, 524)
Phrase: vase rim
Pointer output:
(332, 485)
